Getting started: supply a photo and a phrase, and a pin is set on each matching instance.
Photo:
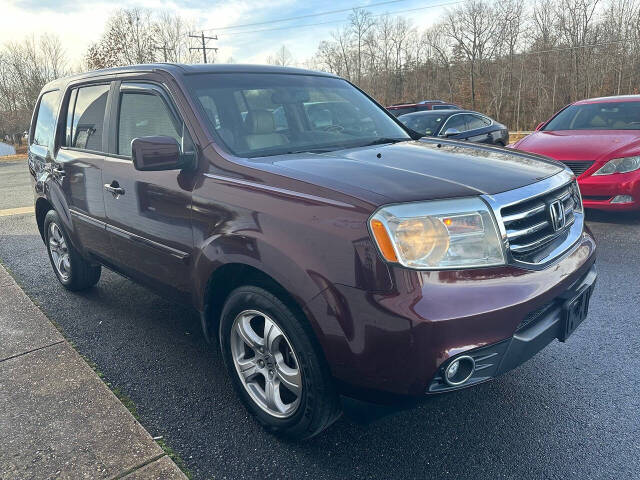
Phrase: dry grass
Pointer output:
(21, 157)
(515, 136)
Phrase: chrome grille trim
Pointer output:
(526, 233)
(527, 213)
(513, 234)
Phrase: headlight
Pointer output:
(619, 165)
(441, 234)
(577, 197)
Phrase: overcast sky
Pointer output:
(78, 23)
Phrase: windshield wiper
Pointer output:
(312, 150)
(383, 140)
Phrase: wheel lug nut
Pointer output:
(260, 363)
(271, 373)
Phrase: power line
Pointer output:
(204, 47)
(244, 32)
(310, 15)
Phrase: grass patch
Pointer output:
(173, 455)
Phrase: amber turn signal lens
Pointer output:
(383, 240)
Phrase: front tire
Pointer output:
(72, 270)
(274, 365)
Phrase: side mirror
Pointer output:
(540, 125)
(156, 153)
(450, 132)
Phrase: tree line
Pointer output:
(517, 61)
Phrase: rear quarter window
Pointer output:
(46, 120)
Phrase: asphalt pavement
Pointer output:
(573, 411)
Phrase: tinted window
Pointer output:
(88, 117)
(273, 114)
(475, 122)
(598, 116)
(426, 124)
(46, 122)
(459, 122)
(144, 115)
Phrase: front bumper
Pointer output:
(392, 343)
(536, 331)
(599, 191)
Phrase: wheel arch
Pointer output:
(230, 276)
(42, 207)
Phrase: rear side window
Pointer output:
(85, 117)
(475, 122)
(144, 115)
(45, 127)
(459, 122)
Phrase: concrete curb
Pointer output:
(58, 419)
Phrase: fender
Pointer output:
(256, 253)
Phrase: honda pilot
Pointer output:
(329, 254)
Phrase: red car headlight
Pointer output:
(620, 165)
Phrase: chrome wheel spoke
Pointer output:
(248, 334)
(290, 377)
(272, 396)
(248, 368)
(271, 336)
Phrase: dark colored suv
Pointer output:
(326, 255)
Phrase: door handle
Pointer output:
(114, 188)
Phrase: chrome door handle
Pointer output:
(114, 188)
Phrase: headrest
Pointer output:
(260, 122)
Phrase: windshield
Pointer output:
(424, 124)
(598, 116)
(272, 114)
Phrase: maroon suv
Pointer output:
(327, 254)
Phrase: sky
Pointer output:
(77, 23)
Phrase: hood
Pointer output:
(582, 144)
(418, 170)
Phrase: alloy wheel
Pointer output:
(266, 363)
(59, 252)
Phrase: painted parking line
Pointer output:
(15, 211)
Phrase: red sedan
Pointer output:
(599, 139)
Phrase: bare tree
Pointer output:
(25, 67)
(139, 36)
(281, 57)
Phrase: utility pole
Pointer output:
(163, 48)
(204, 47)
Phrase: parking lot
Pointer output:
(573, 411)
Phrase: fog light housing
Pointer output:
(622, 199)
(459, 370)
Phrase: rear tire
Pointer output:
(73, 271)
(266, 349)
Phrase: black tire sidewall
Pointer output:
(314, 389)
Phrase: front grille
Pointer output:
(529, 225)
(578, 167)
(597, 198)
